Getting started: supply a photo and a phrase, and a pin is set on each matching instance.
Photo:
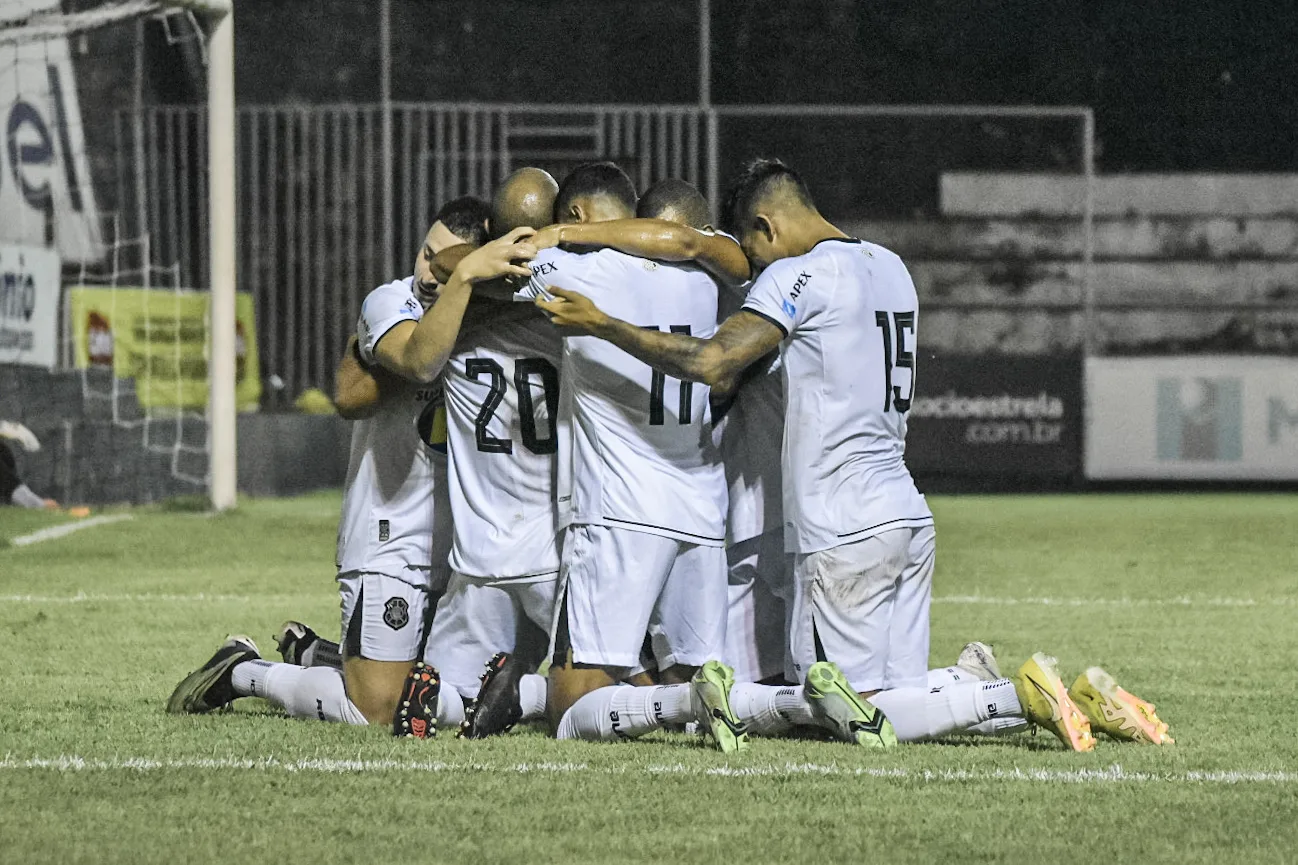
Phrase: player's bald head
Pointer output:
(764, 185)
(675, 201)
(595, 192)
(525, 197)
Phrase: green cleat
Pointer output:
(710, 688)
(843, 712)
(210, 686)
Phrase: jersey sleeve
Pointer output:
(781, 296)
(545, 272)
(383, 309)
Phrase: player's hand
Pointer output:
(550, 236)
(505, 256)
(572, 311)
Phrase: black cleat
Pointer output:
(293, 640)
(498, 707)
(210, 686)
(416, 715)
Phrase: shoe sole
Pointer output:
(1072, 727)
(416, 717)
(201, 680)
(468, 729)
(826, 682)
(729, 734)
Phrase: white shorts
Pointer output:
(761, 583)
(477, 618)
(393, 613)
(620, 584)
(865, 606)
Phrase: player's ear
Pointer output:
(576, 213)
(765, 226)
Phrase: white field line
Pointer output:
(958, 600)
(65, 529)
(1113, 774)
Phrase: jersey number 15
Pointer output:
(896, 323)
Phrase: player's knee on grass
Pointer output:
(374, 687)
(570, 682)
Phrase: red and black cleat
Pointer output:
(416, 715)
(498, 707)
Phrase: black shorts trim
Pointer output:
(923, 521)
(664, 529)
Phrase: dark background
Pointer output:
(1176, 86)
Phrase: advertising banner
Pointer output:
(1196, 417)
(996, 416)
(46, 197)
(29, 305)
(159, 338)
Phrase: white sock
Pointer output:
(925, 713)
(23, 497)
(999, 726)
(758, 706)
(949, 676)
(625, 712)
(303, 692)
(450, 708)
(532, 691)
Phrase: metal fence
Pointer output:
(334, 199)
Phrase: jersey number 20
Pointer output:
(905, 359)
(524, 370)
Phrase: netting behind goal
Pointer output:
(119, 316)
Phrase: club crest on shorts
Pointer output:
(396, 613)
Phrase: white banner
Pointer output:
(29, 305)
(1197, 417)
(45, 192)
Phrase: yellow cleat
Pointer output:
(1046, 703)
(1117, 713)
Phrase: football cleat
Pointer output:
(1046, 703)
(498, 707)
(710, 697)
(842, 711)
(416, 714)
(210, 686)
(979, 660)
(1115, 712)
(293, 639)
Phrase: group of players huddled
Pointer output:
(559, 454)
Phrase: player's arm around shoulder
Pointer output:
(659, 239)
(419, 351)
(717, 361)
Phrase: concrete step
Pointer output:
(965, 193)
(1114, 237)
(1042, 331)
(1172, 283)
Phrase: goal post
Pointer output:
(28, 23)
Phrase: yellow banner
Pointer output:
(159, 338)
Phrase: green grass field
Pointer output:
(1190, 600)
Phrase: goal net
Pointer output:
(102, 304)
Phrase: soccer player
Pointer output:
(502, 395)
(844, 314)
(391, 513)
(641, 496)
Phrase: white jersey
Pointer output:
(395, 512)
(637, 449)
(751, 434)
(850, 317)
(502, 396)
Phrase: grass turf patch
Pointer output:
(1188, 600)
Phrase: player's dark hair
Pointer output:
(759, 179)
(677, 197)
(592, 179)
(466, 217)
